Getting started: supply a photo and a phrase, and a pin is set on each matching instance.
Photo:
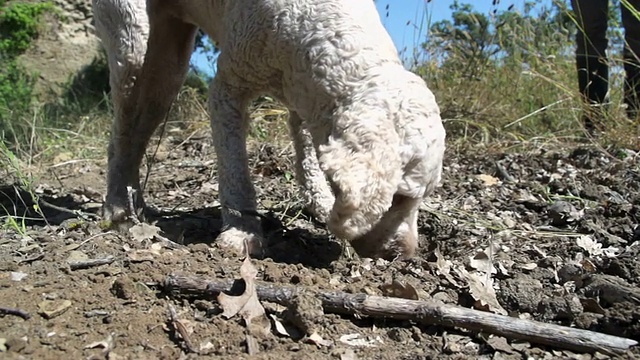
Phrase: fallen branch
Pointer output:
(428, 312)
(78, 213)
(85, 264)
(13, 311)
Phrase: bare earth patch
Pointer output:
(546, 235)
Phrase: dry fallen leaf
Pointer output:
(587, 243)
(141, 232)
(528, 266)
(316, 339)
(488, 180)
(481, 289)
(355, 272)
(483, 263)
(595, 249)
(106, 344)
(246, 305)
(399, 290)
(444, 268)
(356, 340)
(139, 255)
(280, 329)
(592, 305)
(145, 232)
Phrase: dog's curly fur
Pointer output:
(368, 136)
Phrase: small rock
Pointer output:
(570, 272)
(587, 320)
(50, 309)
(124, 288)
(12, 266)
(16, 344)
(522, 292)
(76, 255)
(443, 296)
(560, 308)
(304, 311)
(400, 335)
(562, 213)
(17, 276)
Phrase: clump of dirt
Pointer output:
(547, 235)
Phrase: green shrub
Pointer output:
(19, 24)
(16, 87)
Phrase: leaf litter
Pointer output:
(247, 305)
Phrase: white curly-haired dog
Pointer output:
(368, 136)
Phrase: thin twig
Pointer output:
(32, 259)
(69, 162)
(132, 208)
(14, 311)
(503, 173)
(78, 213)
(535, 112)
(95, 236)
(181, 329)
(85, 264)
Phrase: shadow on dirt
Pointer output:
(285, 244)
(37, 209)
(290, 245)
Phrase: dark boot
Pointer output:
(631, 91)
(631, 61)
(593, 75)
(591, 61)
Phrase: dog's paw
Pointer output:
(320, 208)
(241, 241)
(115, 216)
(114, 213)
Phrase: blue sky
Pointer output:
(407, 21)
(421, 14)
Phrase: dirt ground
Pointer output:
(549, 235)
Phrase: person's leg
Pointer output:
(591, 45)
(631, 57)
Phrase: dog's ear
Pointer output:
(363, 168)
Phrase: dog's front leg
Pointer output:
(229, 123)
(142, 90)
(315, 188)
